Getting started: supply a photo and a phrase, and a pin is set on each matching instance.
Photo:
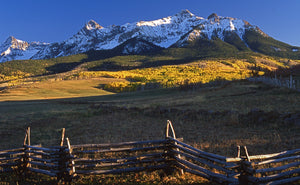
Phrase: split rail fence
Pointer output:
(66, 162)
(291, 82)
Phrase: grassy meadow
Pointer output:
(57, 89)
(204, 117)
(209, 102)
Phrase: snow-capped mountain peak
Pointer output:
(216, 26)
(12, 43)
(163, 32)
(15, 49)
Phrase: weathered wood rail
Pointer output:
(278, 168)
(66, 162)
(120, 158)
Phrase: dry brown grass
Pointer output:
(50, 89)
(213, 119)
(143, 178)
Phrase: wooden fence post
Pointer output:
(238, 151)
(26, 157)
(246, 169)
(170, 154)
(246, 153)
(66, 163)
(62, 165)
(168, 170)
(243, 178)
(28, 140)
(25, 138)
(63, 174)
(169, 125)
(62, 136)
(72, 172)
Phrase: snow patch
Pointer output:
(136, 48)
(158, 22)
(27, 54)
(275, 48)
(7, 52)
(232, 27)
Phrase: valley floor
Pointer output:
(214, 119)
(260, 115)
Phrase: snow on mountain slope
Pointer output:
(136, 46)
(162, 32)
(14, 49)
(216, 26)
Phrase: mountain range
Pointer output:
(182, 30)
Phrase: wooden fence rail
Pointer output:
(10, 159)
(120, 157)
(203, 163)
(279, 168)
(65, 162)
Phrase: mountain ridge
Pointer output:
(178, 30)
(15, 49)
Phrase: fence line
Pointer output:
(279, 168)
(291, 82)
(203, 163)
(169, 154)
(131, 157)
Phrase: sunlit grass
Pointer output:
(57, 89)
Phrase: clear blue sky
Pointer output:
(57, 20)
